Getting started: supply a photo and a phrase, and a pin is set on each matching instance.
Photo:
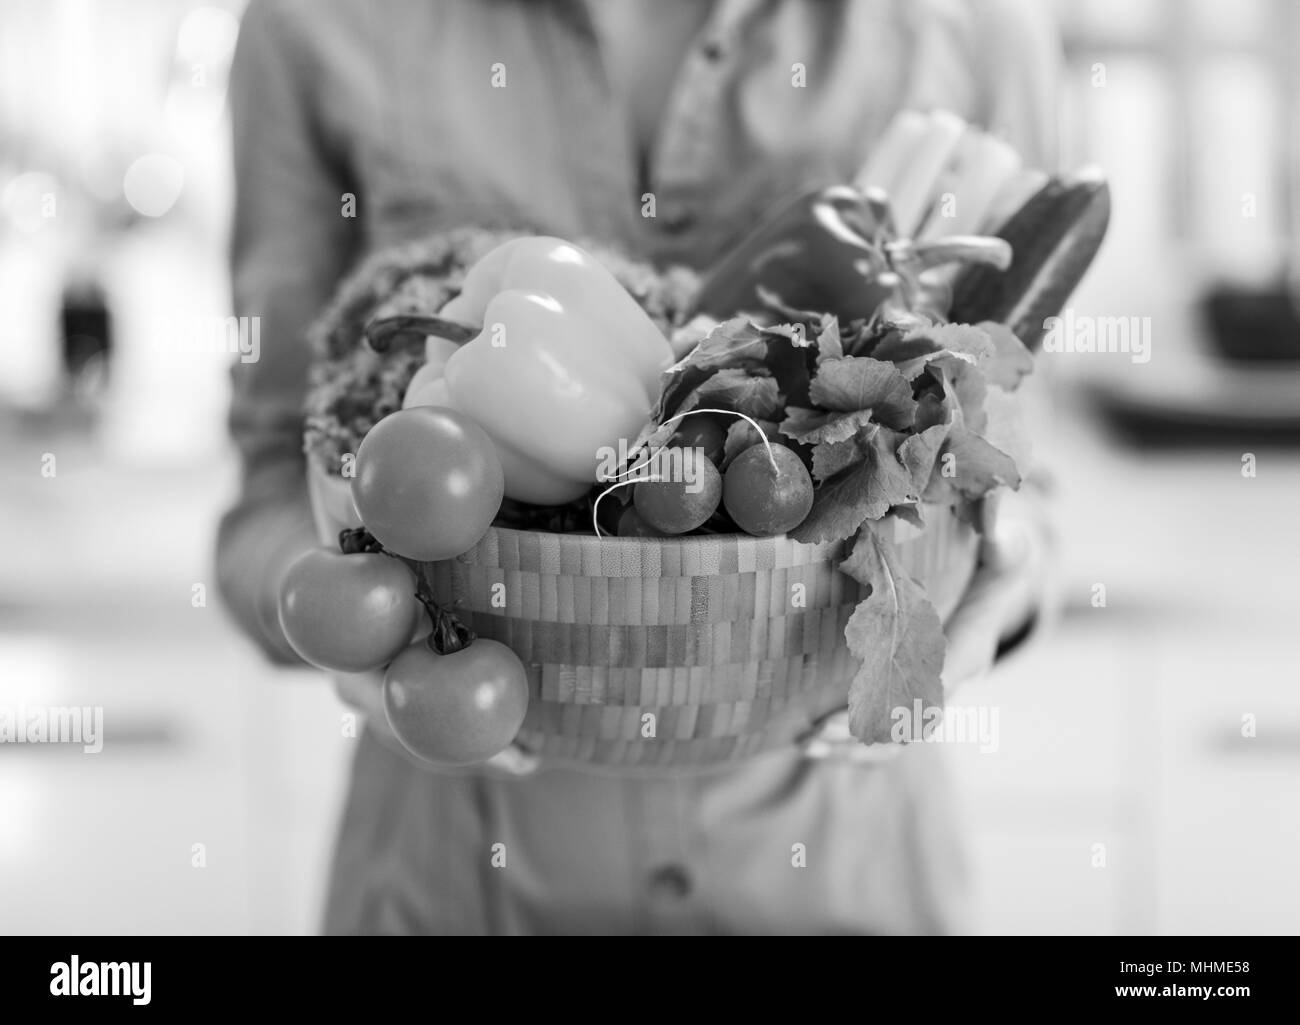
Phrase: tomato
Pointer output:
(429, 482)
(458, 708)
(686, 497)
(348, 613)
(765, 501)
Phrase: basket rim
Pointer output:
(744, 545)
(685, 541)
(586, 543)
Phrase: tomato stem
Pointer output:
(449, 634)
(355, 540)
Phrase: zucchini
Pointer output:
(1054, 238)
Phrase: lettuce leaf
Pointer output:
(960, 339)
(1000, 356)
(752, 392)
(741, 435)
(831, 457)
(896, 635)
(734, 343)
(919, 452)
(977, 467)
(812, 426)
(854, 383)
(1010, 361)
(863, 491)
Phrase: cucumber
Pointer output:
(1054, 238)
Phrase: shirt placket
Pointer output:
(611, 208)
(688, 155)
(670, 899)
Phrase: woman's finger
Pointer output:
(365, 693)
(1001, 597)
(362, 691)
(514, 761)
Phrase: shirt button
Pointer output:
(677, 220)
(670, 881)
(712, 50)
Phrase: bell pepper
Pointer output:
(834, 249)
(819, 250)
(555, 360)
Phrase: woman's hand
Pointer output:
(1006, 591)
(365, 693)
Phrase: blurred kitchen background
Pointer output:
(1122, 728)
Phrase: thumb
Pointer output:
(999, 597)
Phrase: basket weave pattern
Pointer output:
(710, 636)
(731, 644)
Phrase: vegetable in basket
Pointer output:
(1055, 237)
(451, 697)
(842, 249)
(890, 416)
(347, 612)
(850, 408)
(835, 250)
(456, 707)
(561, 363)
(428, 482)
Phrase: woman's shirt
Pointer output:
(358, 126)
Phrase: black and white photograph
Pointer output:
(651, 468)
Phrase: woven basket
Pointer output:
(707, 640)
